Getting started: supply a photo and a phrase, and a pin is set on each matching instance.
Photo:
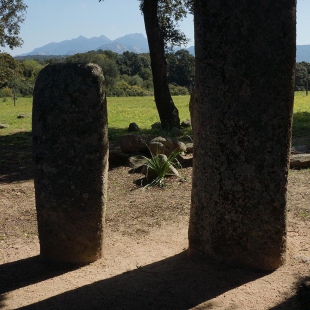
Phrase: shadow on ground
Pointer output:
(16, 157)
(28, 271)
(172, 283)
(301, 300)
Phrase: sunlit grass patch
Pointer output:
(301, 121)
(9, 114)
(141, 110)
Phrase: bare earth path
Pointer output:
(145, 264)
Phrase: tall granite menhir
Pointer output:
(245, 57)
(70, 150)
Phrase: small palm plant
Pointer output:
(160, 165)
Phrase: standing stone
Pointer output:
(245, 57)
(70, 148)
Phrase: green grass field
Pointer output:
(142, 110)
(121, 112)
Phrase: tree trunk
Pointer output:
(168, 113)
(245, 58)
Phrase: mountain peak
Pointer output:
(135, 42)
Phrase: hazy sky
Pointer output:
(57, 20)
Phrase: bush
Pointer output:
(25, 88)
(123, 88)
(177, 90)
(6, 92)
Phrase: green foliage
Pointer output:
(31, 69)
(21, 74)
(6, 92)
(161, 167)
(10, 69)
(177, 90)
(301, 76)
(108, 65)
(12, 14)
(18, 76)
(125, 89)
(25, 87)
(133, 64)
(169, 14)
(181, 68)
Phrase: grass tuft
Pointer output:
(161, 167)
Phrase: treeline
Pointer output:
(128, 74)
(302, 75)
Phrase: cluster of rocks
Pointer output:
(138, 149)
(300, 157)
(3, 126)
(133, 127)
(131, 145)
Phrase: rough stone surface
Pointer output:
(186, 123)
(2, 126)
(189, 147)
(300, 161)
(166, 146)
(135, 143)
(300, 149)
(176, 132)
(133, 127)
(191, 107)
(157, 126)
(70, 149)
(137, 161)
(243, 110)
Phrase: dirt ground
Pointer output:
(145, 264)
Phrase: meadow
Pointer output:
(121, 112)
(142, 110)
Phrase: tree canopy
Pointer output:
(161, 19)
(12, 14)
(169, 13)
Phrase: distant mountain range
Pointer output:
(131, 42)
(135, 42)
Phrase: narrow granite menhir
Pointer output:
(244, 88)
(70, 151)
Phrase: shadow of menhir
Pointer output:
(301, 300)
(16, 157)
(172, 283)
(28, 271)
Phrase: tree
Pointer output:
(107, 64)
(181, 68)
(31, 69)
(161, 24)
(12, 14)
(168, 113)
(300, 76)
(131, 63)
(9, 70)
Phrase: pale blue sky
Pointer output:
(57, 20)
